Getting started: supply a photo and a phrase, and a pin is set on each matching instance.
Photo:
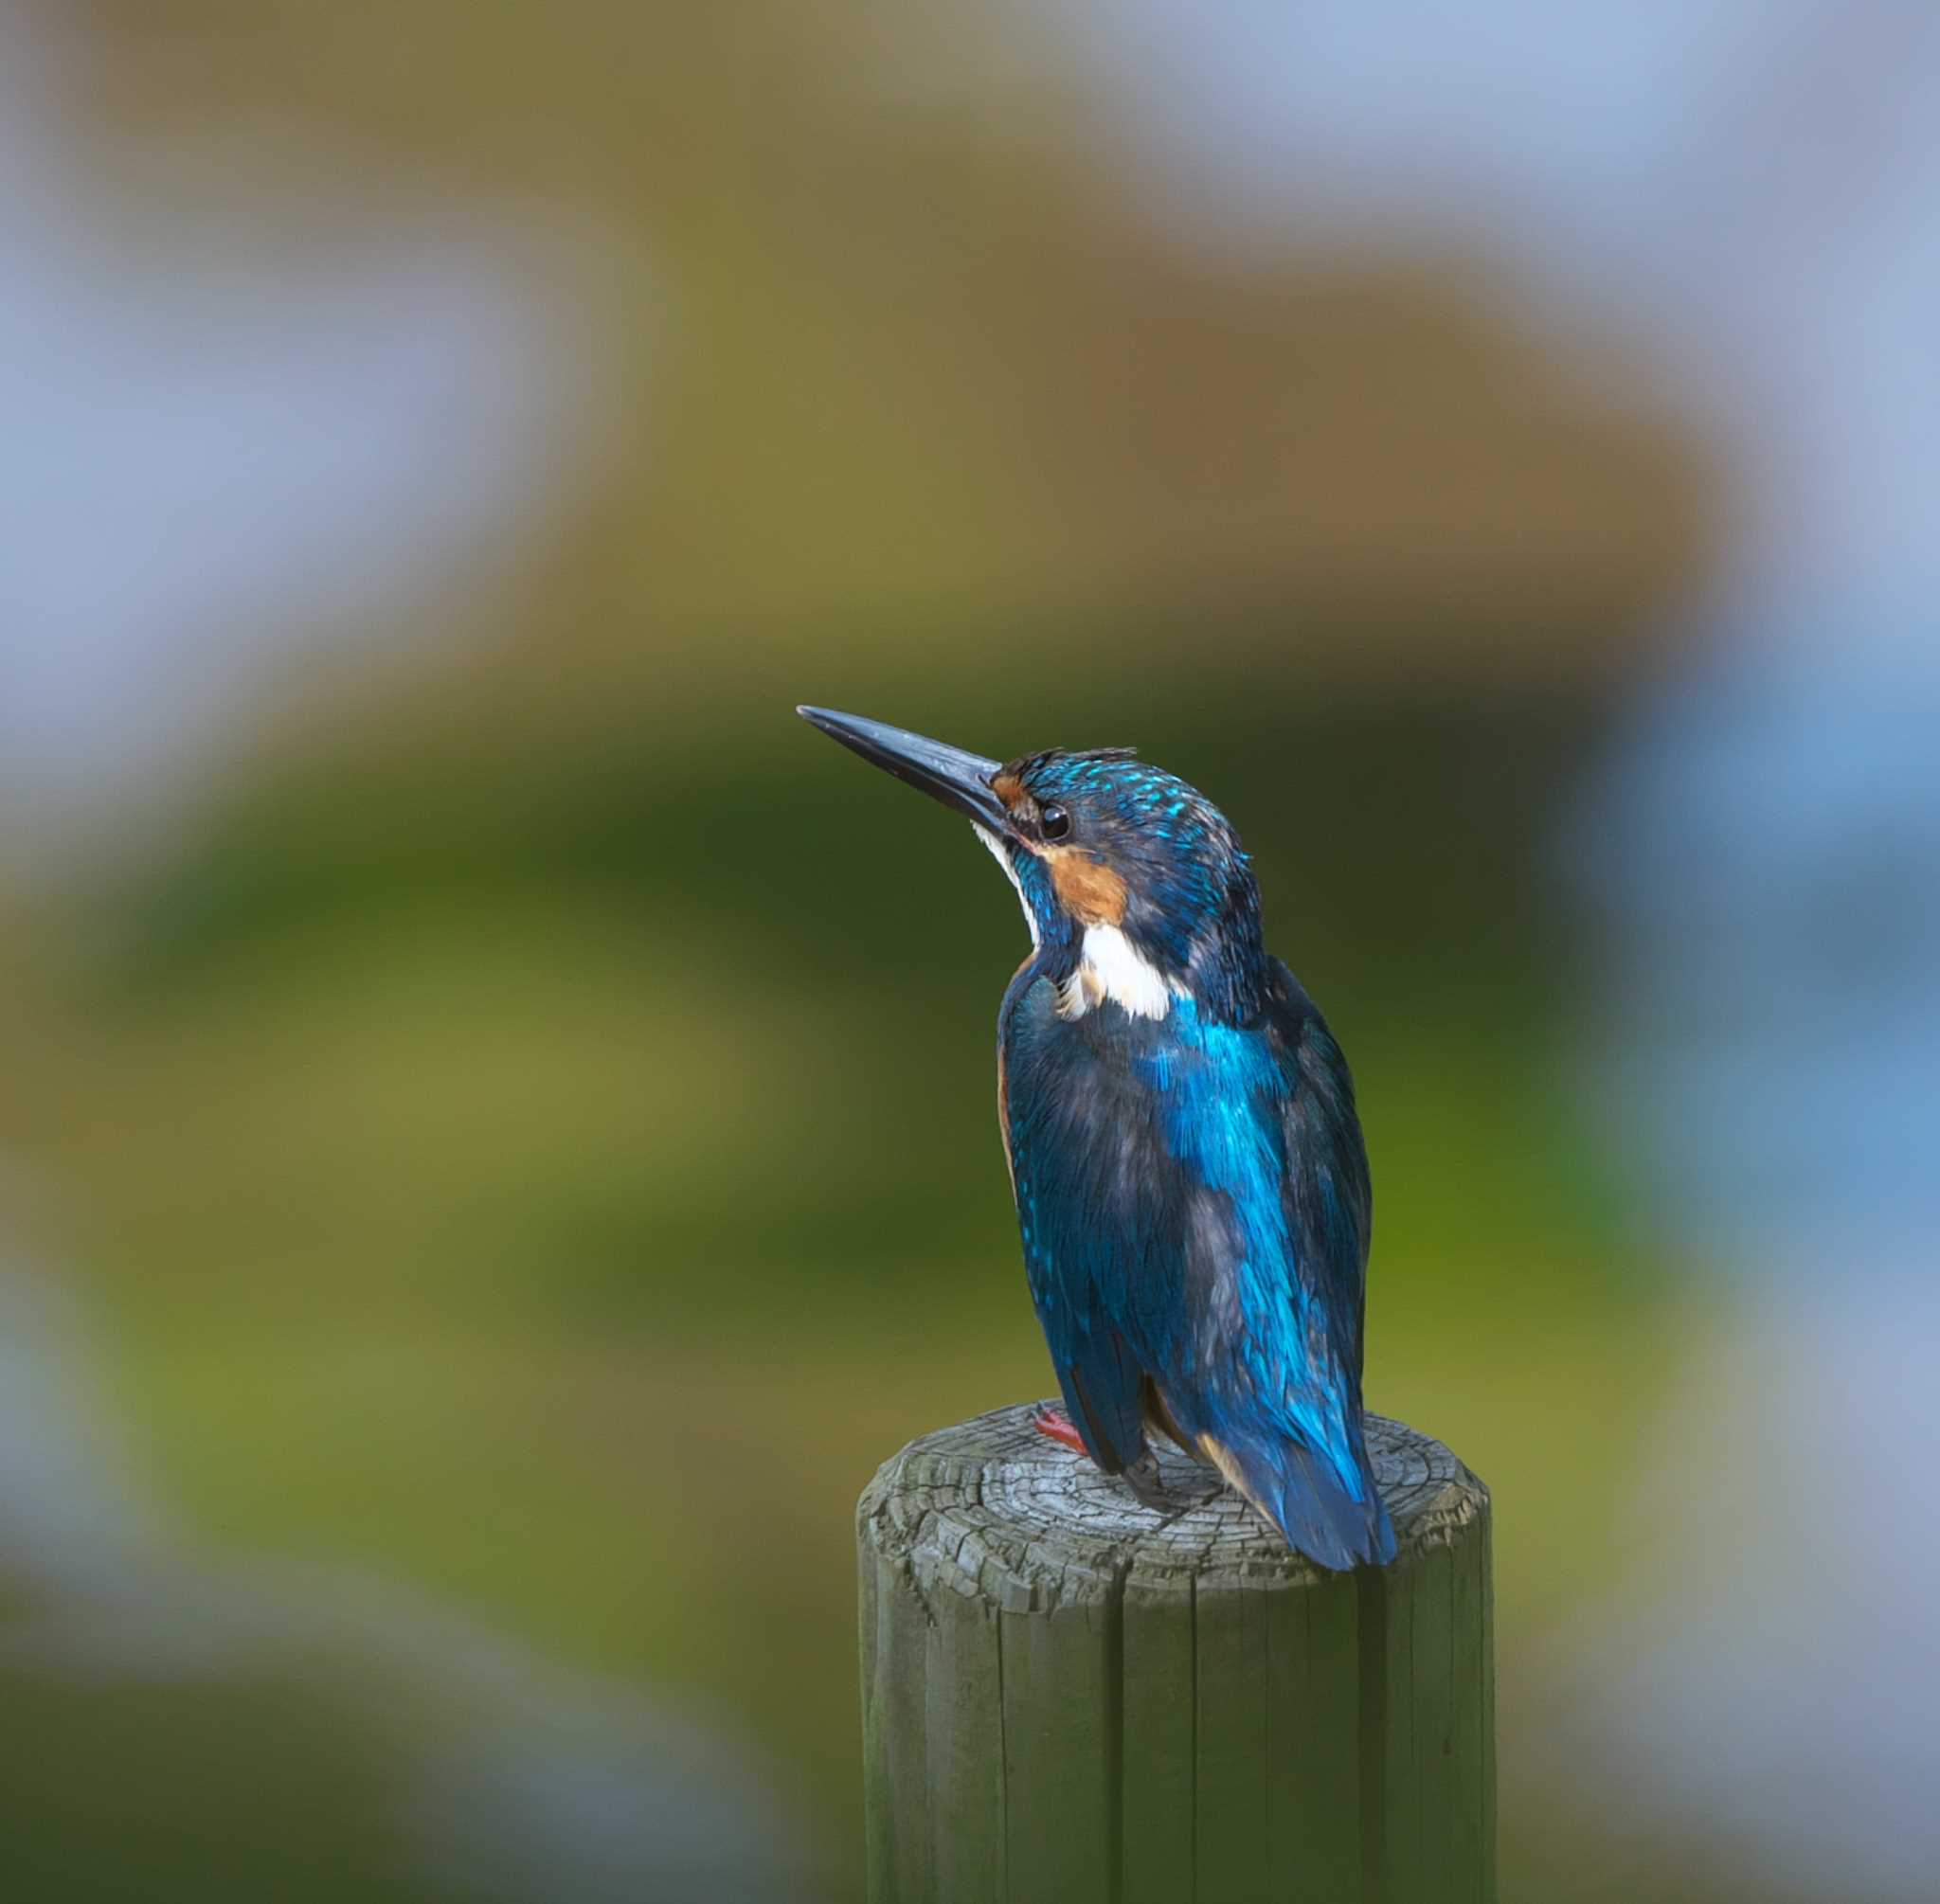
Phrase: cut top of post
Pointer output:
(991, 1509)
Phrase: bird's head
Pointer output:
(1136, 888)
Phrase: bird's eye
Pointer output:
(1054, 822)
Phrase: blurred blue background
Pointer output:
(470, 1219)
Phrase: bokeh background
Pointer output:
(496, 1115)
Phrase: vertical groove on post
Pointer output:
(1059, 1811)
(875, 1824)
(1115, 1734)
(1400, 1774)
(1487, 1561)
(965, 1751)
(1372, 1651)
(1158, 1653)
(1003, 1761)
(1314, 1721)
(1192, 1739)
(1469, 1665)
(900, 1853)
(1230, 1769)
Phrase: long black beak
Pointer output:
(949, 774)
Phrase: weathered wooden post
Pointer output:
(1068, 1698)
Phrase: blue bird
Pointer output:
(1188, 1166)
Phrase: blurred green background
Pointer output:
(504, 1112)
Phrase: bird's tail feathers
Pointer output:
(1300, 1491)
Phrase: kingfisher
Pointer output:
(1185, 1155)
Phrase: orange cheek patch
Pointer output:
(1091, 892)
(1009, 789)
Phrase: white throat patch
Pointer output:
(1110, 969)
(1003, 858)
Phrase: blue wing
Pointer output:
(1195, 1210)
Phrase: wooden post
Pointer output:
(1068, 1698)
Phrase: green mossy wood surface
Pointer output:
(1067, 1696)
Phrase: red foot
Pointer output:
(1054, 1424)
